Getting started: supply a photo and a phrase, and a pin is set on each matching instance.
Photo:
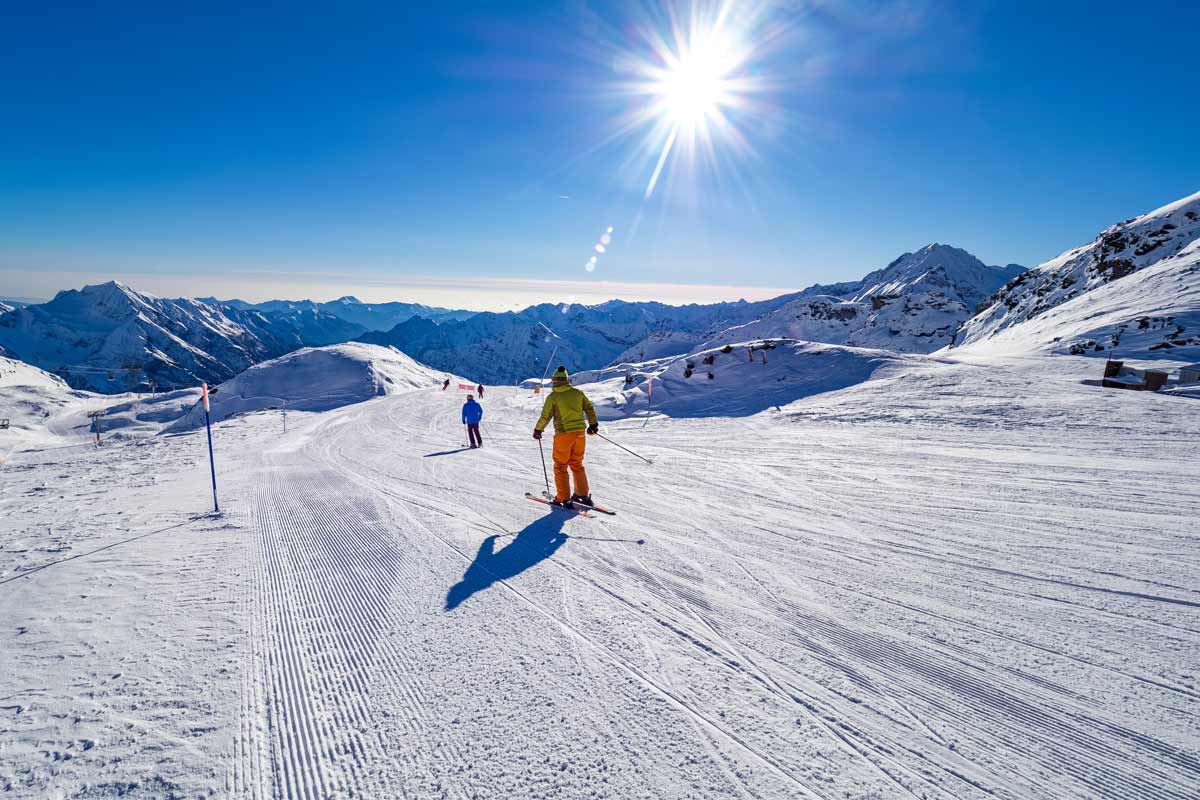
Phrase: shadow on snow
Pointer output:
(446, 452)
(536, 542)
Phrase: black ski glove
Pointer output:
(593, 429)
(537, 434)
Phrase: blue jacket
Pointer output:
(472, 413)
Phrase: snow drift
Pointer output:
(315, 379)
(733, 381)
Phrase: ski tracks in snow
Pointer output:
(875, 632)
(330, 584)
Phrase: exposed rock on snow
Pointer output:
(1135, 290)
(732, 381)
(316, 379)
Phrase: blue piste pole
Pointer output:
(212, 464)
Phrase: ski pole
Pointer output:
(545, 474)
(623, 447)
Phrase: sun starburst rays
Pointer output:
(692, 88)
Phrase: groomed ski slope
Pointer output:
(960, 580)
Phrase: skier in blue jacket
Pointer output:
(472, 414)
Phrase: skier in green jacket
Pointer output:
(572, 414)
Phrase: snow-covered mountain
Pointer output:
(371, 316)
(110, 338)
(1135, 289)
(915, 304)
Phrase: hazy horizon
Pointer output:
(482, 294)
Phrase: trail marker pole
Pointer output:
(212, 464)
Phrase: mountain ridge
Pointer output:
(110, 338)
(1133, 292)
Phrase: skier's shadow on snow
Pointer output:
(536, 542)
(446, 452)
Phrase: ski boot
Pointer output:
(583, 500)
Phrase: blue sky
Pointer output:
(464, 153)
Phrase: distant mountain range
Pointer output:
(915, 304)
(371, 316)
(1135, 291)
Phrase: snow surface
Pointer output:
(964, 577)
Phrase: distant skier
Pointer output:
(479, 389)
(445, 384)
(568, 407)
(472, 415)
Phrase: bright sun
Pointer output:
(697, 82)
(693, 88)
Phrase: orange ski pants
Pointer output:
(568, 455)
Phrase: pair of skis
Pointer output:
(579, 508)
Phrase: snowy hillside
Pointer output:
(1153, 313)
(43, 411)
(18, 373)
(916, 304)
(316, 379)
(1134, 288)
(732, 381)
(110, 338)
